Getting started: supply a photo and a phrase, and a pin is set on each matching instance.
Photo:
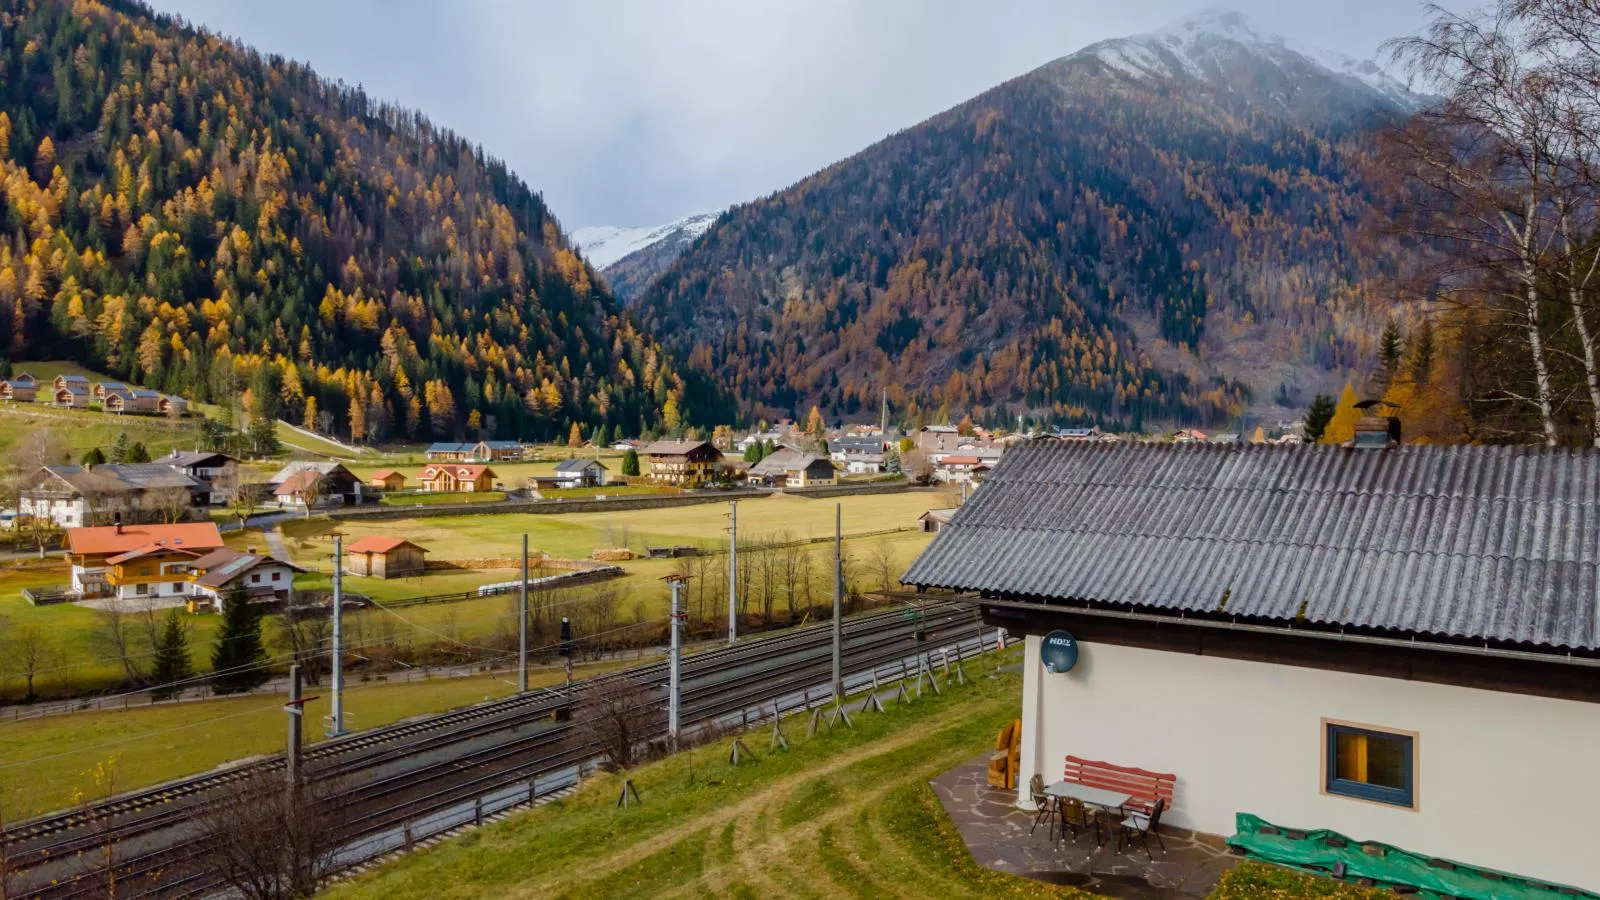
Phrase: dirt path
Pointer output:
(754, 857)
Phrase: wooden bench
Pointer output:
(1141, 786)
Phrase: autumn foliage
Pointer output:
(188, 214)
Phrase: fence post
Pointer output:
(477, 811)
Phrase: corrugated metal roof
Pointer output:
(1495, 543)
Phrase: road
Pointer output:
(390, 780)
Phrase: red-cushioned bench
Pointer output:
(1143, 787)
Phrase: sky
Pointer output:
(638, 112)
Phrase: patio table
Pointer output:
(1110, 801)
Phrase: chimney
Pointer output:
(118, 522)
(250, 550)
(1378, 428)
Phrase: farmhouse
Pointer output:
(330, 484)
(683, 463)
(387, 480)
(169, 405)
(1397, 643)
(16, 390)
(384, 557)
(26, 378)
(773, 469)
(264, 579)
(64, 381)
(74, 496)
(137, 560)
(810, 471)
(456, 477)
(205, 467)
(573, 473)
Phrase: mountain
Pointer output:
(1156, 228)
(186, 213)
(630, 258)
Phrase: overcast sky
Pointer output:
(636, 112)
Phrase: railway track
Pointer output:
(392, 776)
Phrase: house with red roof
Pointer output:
(457, 477)
(380, 556)
(137, 561)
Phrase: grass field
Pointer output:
(42, 761)
(81, 660)
(440, 498)
(843, 813)
(83, 429)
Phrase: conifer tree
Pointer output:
(1391, 347)
(171, 658)
(94, 456)
(1422, 351)
(630, 463)
(119, 448)
(137, 453)
(1317, 417)
(239, 657)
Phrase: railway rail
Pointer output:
(395, 777)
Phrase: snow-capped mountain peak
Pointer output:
(1224, 47)
(603, 245)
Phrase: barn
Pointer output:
(378, 556)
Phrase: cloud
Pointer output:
(634, 112)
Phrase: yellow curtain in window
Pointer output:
(1351, 755)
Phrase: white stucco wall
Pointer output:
(1504, 780)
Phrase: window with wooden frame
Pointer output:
(1370, 764)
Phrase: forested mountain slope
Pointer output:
(1156, 228)
(189, 214)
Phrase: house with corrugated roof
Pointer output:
(1395, 642)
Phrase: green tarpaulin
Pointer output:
(1322, 851)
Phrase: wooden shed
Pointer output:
(384, 557)
(388, 480)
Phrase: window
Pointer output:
(1370, 764)
(255, 578)
(275, 575)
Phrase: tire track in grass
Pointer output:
(602, 867)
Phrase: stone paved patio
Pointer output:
(996, 832)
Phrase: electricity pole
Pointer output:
(336, 717)
(295, 708)
(838, 605)
(522, 623)
(675, 662)
(733, 571)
